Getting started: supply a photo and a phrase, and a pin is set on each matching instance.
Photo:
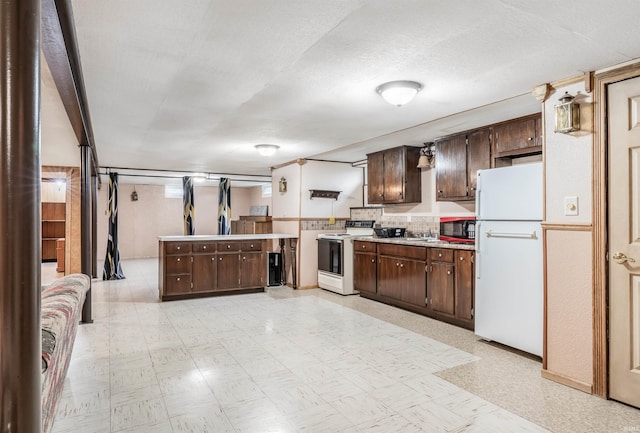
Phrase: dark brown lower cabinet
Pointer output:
(365, 268)
(436, 282)
(228, 274)
(204, 272)
(211, 267)
(252, 270)
(464, 293)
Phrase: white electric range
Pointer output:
(335, 256)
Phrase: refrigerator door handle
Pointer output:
(478, 258)
(531, 235)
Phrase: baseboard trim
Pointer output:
(566, 380)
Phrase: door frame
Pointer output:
(599, 212)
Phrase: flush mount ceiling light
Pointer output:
(266, 149)
(399, 92)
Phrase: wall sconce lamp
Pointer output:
(399, 92)
(134, 195)
(282, 185)
(427, 156)
(567, 114)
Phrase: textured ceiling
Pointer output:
(195, 85)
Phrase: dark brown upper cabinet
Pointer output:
(518, 137)
(458, 158)
(393, 176)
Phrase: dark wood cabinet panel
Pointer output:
(375, 178)
(402, 279)
(464, 296)
(178, 264)
(516, 137)
(252, 269)
(441, 288)
(451, 168)
(204, 272)
(365, 269)
(178, 284)
(228, 275)
(393, 176)
(478, 157)
(414, 287)
(388, 277)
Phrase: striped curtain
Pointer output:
(112, 269)
(224, 206)
(188, 206)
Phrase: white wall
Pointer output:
(568, 159)
(141, 222)
(333, 177)
(286, 204)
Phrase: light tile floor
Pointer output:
(301, 361)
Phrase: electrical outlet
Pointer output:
(571, 206)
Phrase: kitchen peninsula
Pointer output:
(209, 265)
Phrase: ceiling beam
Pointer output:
(60, 48)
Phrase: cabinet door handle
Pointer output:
(530, 139)
(244, 258)
(177, 248)
(220, 258)
(397, 264)
(228, 247)
(204, 248)
(213, 259)
(178, 259)
(178, 279)
(373, 260)
(251, 246)
(462, 259)
(439, 254)
(448, 272)
(402, 265)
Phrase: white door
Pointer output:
(624, 241)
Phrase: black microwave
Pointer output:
(458, 229)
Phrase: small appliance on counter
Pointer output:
(389, 232)
(458, 229)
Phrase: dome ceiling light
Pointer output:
(399, 92)
(266, 149)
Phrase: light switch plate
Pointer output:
(571, 205)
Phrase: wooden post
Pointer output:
(85, 224)
(21, 249)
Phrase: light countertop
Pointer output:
(417, 242)
(198, 238)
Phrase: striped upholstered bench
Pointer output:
(62, 302)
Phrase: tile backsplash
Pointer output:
(415, 227)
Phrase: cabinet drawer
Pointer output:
(369, 247)
(204, 247)
(252, 245)
(228, 246)
(178, 247)
(441, 255)
(177, 284)
(178, 264)
(419, 253)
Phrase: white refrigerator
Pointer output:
(509, 280)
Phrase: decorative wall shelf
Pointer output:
(321, 193)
